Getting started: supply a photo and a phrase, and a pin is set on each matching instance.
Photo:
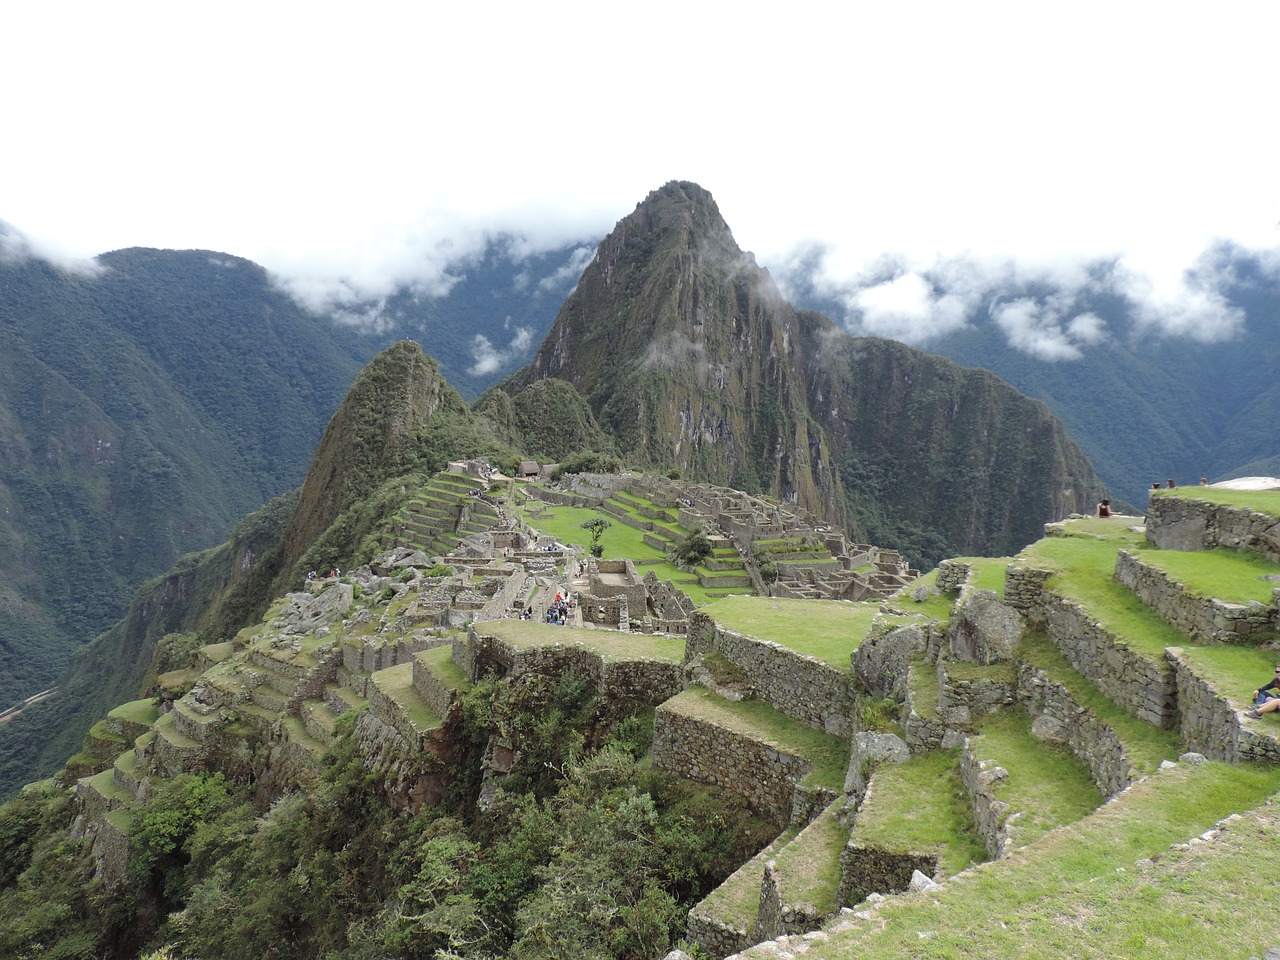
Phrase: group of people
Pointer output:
(334, 574)
(561, 609)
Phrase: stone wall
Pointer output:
(763, 775)
(1144, 688)
(1187, 523)
(1212, 726)
(613, 612)
(865, 870)
(624, 685)
(952, 575)
(1061, 718)
(883, 659)
(1204, 620)
(966, 693)
(777, 917)
(633, 589)
(803, 687)
(438, 694)
(990, 815)
(716, 937)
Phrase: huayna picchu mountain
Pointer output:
(691, 359)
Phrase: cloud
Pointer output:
(1042, 328)
(489, 359)
(578, 260)
(16, 247)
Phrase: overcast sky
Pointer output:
(933, 152)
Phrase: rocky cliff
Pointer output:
(691, 359)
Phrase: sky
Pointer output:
(921, 159)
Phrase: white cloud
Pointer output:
(489, 359)
(353, 153)
(1042, 329)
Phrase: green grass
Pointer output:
(809, 866)
(737, 900)
(1085, 573)
(919, 806)
(988, 573)
(1226, 575)
(1146, 745)
(1047, 784)
(1263, 501)
(525, 634)
(441, 663)
(1234, 672)
(623, 541)
(829, 630)
(759, 721)
(937, 606)
(1077, 893)
(922, 681)
(397, 683)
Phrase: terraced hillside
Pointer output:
(1039, 755)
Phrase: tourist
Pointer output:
(1104, 508)
(1170, 484)
(1266, 698)
(1204, 481)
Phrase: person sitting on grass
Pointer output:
(1267, 699)
(1104, 508)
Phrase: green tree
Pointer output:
(596, 526)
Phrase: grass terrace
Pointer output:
(1234, 672)
(751, 718)
(1227, 575)
(1145, 744)
(1077, 892)
(1085, 568)
(737, 900)
(1263, 501)
(937, 606)
(439, 660)
(619, 541)
(829, 630)
(920, 806)
(809, 866)
(397, 683)
(143, 712)
(1047, 783)
(612, 644)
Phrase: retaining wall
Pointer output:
(803, 687)
(1212, 726)
(1093, 741)
(1186, 523)
(1144, 688)
(1204, 620)
(763, 774)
